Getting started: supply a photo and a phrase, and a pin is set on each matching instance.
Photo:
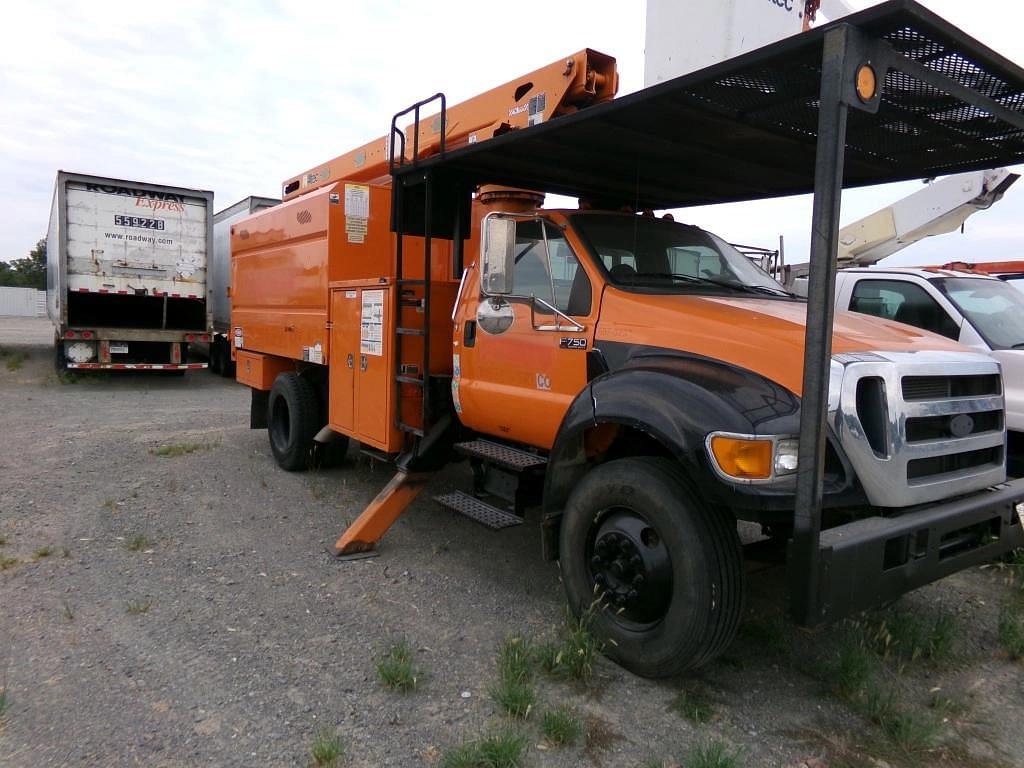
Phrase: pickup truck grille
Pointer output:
(919, 427)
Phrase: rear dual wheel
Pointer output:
(293, 418)
(659, 572)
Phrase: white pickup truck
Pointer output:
(977, 310)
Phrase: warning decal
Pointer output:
(371, 332)
(357, 212)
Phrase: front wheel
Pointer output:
(664, 570)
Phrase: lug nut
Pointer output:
(638, 580)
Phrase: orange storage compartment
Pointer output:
(259, 371)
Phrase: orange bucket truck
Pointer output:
(635, 377)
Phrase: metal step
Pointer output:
(478, 510)
(501, 455)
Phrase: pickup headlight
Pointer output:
(752, 458)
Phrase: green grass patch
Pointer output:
(327, 749)
(13, 358)
(43, 552)
(694, 705)
(712, 754)
(503, 749)
(396, 669)
(765, 633)
(561, 727)
(8, 562)
(180, 449)
(908, 637)
(574, 655)
(4, 703)
(3, 540)
(1011, 630)
(138, 543)
(137, 607)
(516, 697)
(851, 668)
(515, 659)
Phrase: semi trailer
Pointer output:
(634, 377)
(126, 273)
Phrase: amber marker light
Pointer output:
(743, 458)
(867, 82)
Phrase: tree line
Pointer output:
(29, 272)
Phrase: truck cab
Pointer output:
(978, 310)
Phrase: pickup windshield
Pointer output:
(995, 309)
(645, 253)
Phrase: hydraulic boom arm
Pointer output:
(585, 78)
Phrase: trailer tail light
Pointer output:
(86, 334)
(204, 338)
(70, 335)
(190, 337)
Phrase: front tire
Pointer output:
(291, 421)
(665, 569)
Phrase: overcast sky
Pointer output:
(237, 96)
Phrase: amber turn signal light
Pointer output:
(743, 458)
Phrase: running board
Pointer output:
(479, 510)
(506, 457)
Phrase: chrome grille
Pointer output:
(923, 426)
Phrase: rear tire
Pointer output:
(668, 570)
(292, 421)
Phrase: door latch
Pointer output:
(349, 361)
(362, 362)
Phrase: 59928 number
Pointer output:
(138, 221)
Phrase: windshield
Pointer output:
(649, 253)
(995, 309)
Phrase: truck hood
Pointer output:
(763, 335)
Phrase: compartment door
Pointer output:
(375, 368)
(344, 359)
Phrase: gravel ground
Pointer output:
(230, 636)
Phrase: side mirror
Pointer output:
(499, 253)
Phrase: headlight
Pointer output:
(752, 458)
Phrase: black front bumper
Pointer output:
(872, 561)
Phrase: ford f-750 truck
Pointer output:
(635, 377)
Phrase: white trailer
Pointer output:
(126, 273)
(218, 350)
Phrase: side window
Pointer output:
(903, 302)
(534, 276)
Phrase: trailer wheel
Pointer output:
(216, 358)
(292, 421)
(663, 571)
(60, 361)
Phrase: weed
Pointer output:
(138, 543)
(1011, 630)
(693, 705)
(69, 615)
(136, 607)
(8, 562)
(180, 449)
(910, 637)
(110, 505)
(43, 552)
(712, 754)
(503, 749)
(14, 358)
(852, 667)
(575, 655)
(912, 732)
(515, 659)
(65, 552)
(3, 540)
(516, 697)
(560, 727)
(879, 706)
(327, 749)
(68, 377)
(396, 670)
(947, 706)
(4, 703)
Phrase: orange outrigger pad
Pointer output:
(381, 513)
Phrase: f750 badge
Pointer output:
(570, 342)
